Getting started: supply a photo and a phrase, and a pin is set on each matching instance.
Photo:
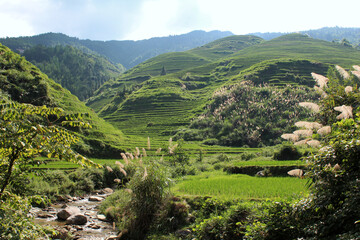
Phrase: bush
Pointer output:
(246, 156)
(211, 141)
(14, 221)
(223, 158)
(229, 225)
(39, 201)
(287, 152)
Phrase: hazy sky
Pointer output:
(142, 19)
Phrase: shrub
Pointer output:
(14, 220)
(223, 158)
(246, 156)
(287, 152)
(39, 201)
(229, 225)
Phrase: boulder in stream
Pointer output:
(77, 219)
(95, 199)
(67, 212)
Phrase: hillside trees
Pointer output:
(249, 114)
(28, 131)
(81, 73)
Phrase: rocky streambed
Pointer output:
(77, 217)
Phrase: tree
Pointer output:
(28, 131)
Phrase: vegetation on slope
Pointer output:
(168, 63)
(25, 83)
(128, 53)
(331, 34)
(192, 88)
(79, 72)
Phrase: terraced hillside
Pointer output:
(170, 63)
(159, 105)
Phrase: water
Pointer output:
(94, 229)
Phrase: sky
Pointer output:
(143, 19)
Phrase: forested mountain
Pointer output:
(81, 73)
(127, 53)
(336, 34)
(25, 83)
(168, 94)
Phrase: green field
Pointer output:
(241, 186)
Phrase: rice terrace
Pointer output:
(203, 135)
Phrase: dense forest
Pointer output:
(81, 73)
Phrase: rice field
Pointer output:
(242, 187)
(269, 163)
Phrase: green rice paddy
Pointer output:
(242, 187)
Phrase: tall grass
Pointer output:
(243, 187)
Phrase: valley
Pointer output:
(190, 140)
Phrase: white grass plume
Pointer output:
(308, 125)
(312, 106)
(301, 142)
(145, 174)
(342, 72)
(313, 143)
(356, 74)
(320, 79)
(304, 133)
(290, 137)
(346, 112)
(348, 89)
(322, 92)
(119, 164)
(144, 152)
(324, 130)
(124, 158)
(356, 67)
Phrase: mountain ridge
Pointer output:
(126, 52)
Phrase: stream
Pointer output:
(96, 227)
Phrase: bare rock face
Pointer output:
(77, 219)
(67, 212)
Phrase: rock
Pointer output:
(44, 215)
(67, 212)
(112, 237)
(101, 217)
(260, 174)
(94, 226)
(95, 199)
(77, 219)
(183, 233)
(78, 228)
(108, 191)
(296, 172)
(62, 234)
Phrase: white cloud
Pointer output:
(139, 19)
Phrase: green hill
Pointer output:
(79, 72)
(169, 63)
(159, 105)
(330, 34)
(25, 83)
(128, 53)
